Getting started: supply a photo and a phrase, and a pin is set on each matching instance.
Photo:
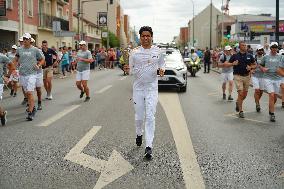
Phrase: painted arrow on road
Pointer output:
(110, 170)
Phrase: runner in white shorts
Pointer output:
(227, 72)
(30, 60)
(4, 60)
(281, 53)
(84, 58)
(270, 65)
(257, 78)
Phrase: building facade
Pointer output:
(183, 37)
(115, 17)
(50, 11)
(200, 27)
(35, 17)
(21, 16)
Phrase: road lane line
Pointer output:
(213, 94)
(247, 119)
(123, 78)
(58, 116)
(104, 89)
(190, 168)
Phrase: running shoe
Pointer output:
(39, 107)
(82, 94)
(139, 140)
(272, 117)
(4, 118)
(230, 98)
(148, 153)
(241, 114)
(30, 116)
(87, 99)
(257, 107)
(25, 101)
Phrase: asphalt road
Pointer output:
(230, 152)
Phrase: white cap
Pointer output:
(273, 44)
(259, 47)
(21, 39)
(228, 48)
(82, 43)
(27, 35)
(281, 52)
(32, 40)
(192, 48)
(185, 47)
(14, 47)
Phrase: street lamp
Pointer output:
(192, 23)
(80, 16)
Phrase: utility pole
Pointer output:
(78, 24)
(193, 40)
(277, 22)
(222, 34)
(210, 43)
(107, 27)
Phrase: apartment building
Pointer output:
(35, 17)
(89, 32)
(90, 10)
(21, 16)
(50, 11)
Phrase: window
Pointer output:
(60, 12)
(48, 7)
(30, 7)
(67, 14)
(9, 4)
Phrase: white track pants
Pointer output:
(145, 103)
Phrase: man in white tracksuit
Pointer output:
(144, 61)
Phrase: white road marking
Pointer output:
(247, 119)
(190, 168)
(123, 78)
(104, 89)
(115, 167)
(213, 94)
(58, 116)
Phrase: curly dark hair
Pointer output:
(146, 28)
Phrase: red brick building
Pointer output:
(183, 36)
(35, 17)
(21, 16)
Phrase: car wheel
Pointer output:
(183, 89)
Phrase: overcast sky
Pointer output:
(167, 16)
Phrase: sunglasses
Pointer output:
(24, 38)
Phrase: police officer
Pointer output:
(144, 62)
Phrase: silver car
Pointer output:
(175, 72)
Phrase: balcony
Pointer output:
(45, 22)
(63, 2)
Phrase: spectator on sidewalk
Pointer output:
(207, 60)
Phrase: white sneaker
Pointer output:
(50, 97)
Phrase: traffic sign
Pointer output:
(64, 34)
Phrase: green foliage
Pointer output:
(113, 40)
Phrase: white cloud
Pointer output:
(167, 16)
